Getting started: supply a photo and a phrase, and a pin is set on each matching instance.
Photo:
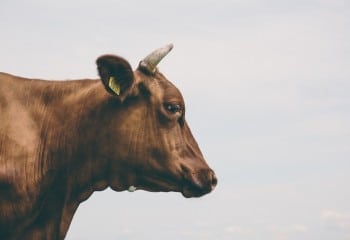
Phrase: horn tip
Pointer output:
(170, 46)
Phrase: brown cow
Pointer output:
(62, 140)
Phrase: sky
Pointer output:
(267, 90)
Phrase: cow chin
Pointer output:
(195, 189)
(190, 192)
(156, 184)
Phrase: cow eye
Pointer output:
(173, 108)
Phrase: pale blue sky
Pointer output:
(267, 88)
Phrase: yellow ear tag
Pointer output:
(114, 85)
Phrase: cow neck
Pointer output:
(84, 169)
(85, 163)
(68, 140)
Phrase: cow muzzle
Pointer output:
(198, 183)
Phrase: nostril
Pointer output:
(214, 180)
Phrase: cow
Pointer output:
(62, 140)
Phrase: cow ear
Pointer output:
(116, 75)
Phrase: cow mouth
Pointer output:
(199, 183)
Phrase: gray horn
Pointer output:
(150, 62)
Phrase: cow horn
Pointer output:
(150, 62)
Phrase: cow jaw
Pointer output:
(158, 183)
(195, 184)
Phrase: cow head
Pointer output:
(148, 144)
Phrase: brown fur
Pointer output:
(62, 140)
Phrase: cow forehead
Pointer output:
(160, 87)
